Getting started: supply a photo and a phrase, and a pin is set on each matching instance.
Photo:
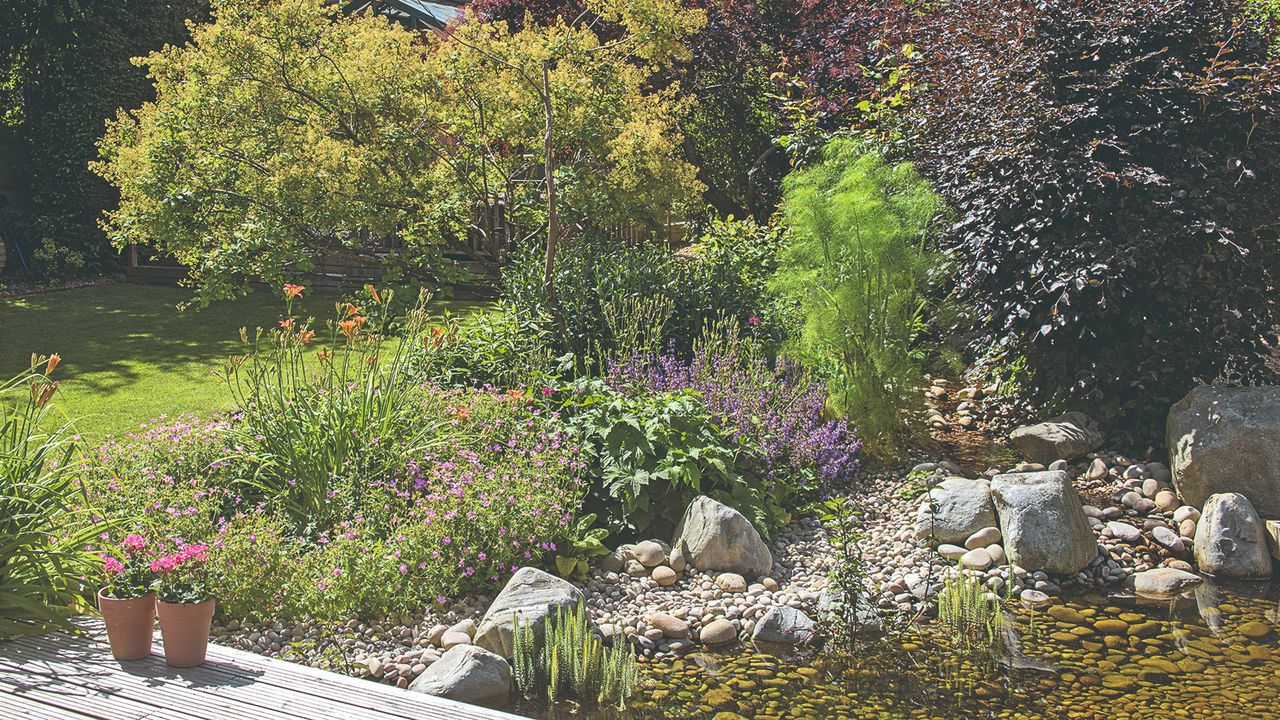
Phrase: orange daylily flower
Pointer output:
(462, 411)
(369, 288)
(293, 291)
(306, 336)
(54, 359)
(287, 323)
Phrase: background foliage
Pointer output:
(1114, 167)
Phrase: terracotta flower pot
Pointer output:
(184, 629)
(130, 624)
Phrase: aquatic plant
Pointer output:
(970, 618)
(565, 657)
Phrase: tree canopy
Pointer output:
(286, 131)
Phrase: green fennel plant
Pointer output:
(853, 278)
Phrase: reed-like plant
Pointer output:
(971, 620)
(563, 658)
(316, 426)
(44, 526)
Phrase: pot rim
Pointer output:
(102, 590)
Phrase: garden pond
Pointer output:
(1212, 655)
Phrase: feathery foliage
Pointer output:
(970, 619)
(854, 272)
(564, 658)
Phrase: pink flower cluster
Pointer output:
(167, 564)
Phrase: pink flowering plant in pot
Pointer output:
(185, 603)
(126, 600)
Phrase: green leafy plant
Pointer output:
(563, 658)
(498, 347)
(854, 275)
(653, 453)
(844, 522)
(44, 529)
(582, 543)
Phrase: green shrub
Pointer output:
(652, 453)
(853, 278)
(498, 347)
(723, 274)
(43, 561)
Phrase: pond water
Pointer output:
(1213, 655)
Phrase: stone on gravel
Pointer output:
(731, 582)
(468, 674)
(533, 594)
(978, 559)
(1065, 437)
(1168, 539)
(664, 576)
(718, 632)
(714, 537)
(960, 507)
(670, 625)
(1230, 540)
(1225, 440)
(783, 626)
(1034, 598)
(983, 538)
(1124, 532)
(1042, 522)
(951, 552)
(650, 553)
(1164, 582)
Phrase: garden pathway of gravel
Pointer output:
(63, 676)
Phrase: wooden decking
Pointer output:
(62, 676)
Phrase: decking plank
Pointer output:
(74, 676)
(19, 708)
(299, 684)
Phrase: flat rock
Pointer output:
(468, 674)
(533, 594)
(977, 559)
(1042, 522)
(718, 632)
(1164, 582)
(1065, 437)
(670, 625)
(951, 552)
(1168, 539)
(1230, 540)
(714, 537)
(1227, 440)
(1124, 532)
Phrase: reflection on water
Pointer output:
(1213, 654)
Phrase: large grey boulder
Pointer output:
(1224, 440)
(1065, 437)
(533, 594)
(783, 627)
(468, 674)
(956, 509)
(714, 537)
(1230, 540)
(1042, 522)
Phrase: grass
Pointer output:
(129, 355)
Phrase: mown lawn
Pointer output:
(129, 355)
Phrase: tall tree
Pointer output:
(286, 131)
